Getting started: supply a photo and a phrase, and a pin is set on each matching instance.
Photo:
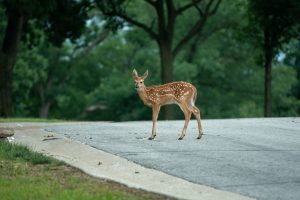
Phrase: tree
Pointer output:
(293, 59)
(61, 19)
(41, 73)
(161, 25)
(272, 24)
(88, 80)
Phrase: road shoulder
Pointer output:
(100, 164)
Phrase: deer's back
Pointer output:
(170, 93)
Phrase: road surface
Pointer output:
(258, 158)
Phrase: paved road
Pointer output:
(254, 157)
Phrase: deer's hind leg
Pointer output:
(187, 115)
(196, 112)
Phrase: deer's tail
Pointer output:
(195, 95)
(193, 98)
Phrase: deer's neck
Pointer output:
(143, 95)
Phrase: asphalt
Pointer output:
(104, 165)
(235, 159)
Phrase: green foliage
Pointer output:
(31, 8)
(278, 16)
(60, 19)
(36, 71)
(106, 86)
(292, 59)
(229, 82)
(2, 22)
(97, 84)
(113, 23)
(30, 70)
(272, 23)
(66, 21)
(284, 80)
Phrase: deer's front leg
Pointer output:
(155, 111)
(187, 115)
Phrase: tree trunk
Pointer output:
(166, 64)
(46, 102)
(44, 110)
(5, 87)
(193, 48)
(166, 59)
(268, 57)
(8, 55)
(268, 88)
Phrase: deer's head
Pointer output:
(139, 80)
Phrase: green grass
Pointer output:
(30, 120)
(29, 175)
(22, 154)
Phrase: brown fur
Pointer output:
(181, 93)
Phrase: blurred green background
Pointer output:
(73, 59)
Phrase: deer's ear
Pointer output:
(145, 74)
(134, 73)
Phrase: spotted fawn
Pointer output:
(181, 93)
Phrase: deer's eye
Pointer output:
(141, 81)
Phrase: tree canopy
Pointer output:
(272, 24)
(85, 73)
(58, 19)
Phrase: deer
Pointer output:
(181, 93)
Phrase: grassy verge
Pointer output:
(29, 175)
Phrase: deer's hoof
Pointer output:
(150, 138)
(180, 138)
(199, 137)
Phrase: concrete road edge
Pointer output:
(100, 164)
